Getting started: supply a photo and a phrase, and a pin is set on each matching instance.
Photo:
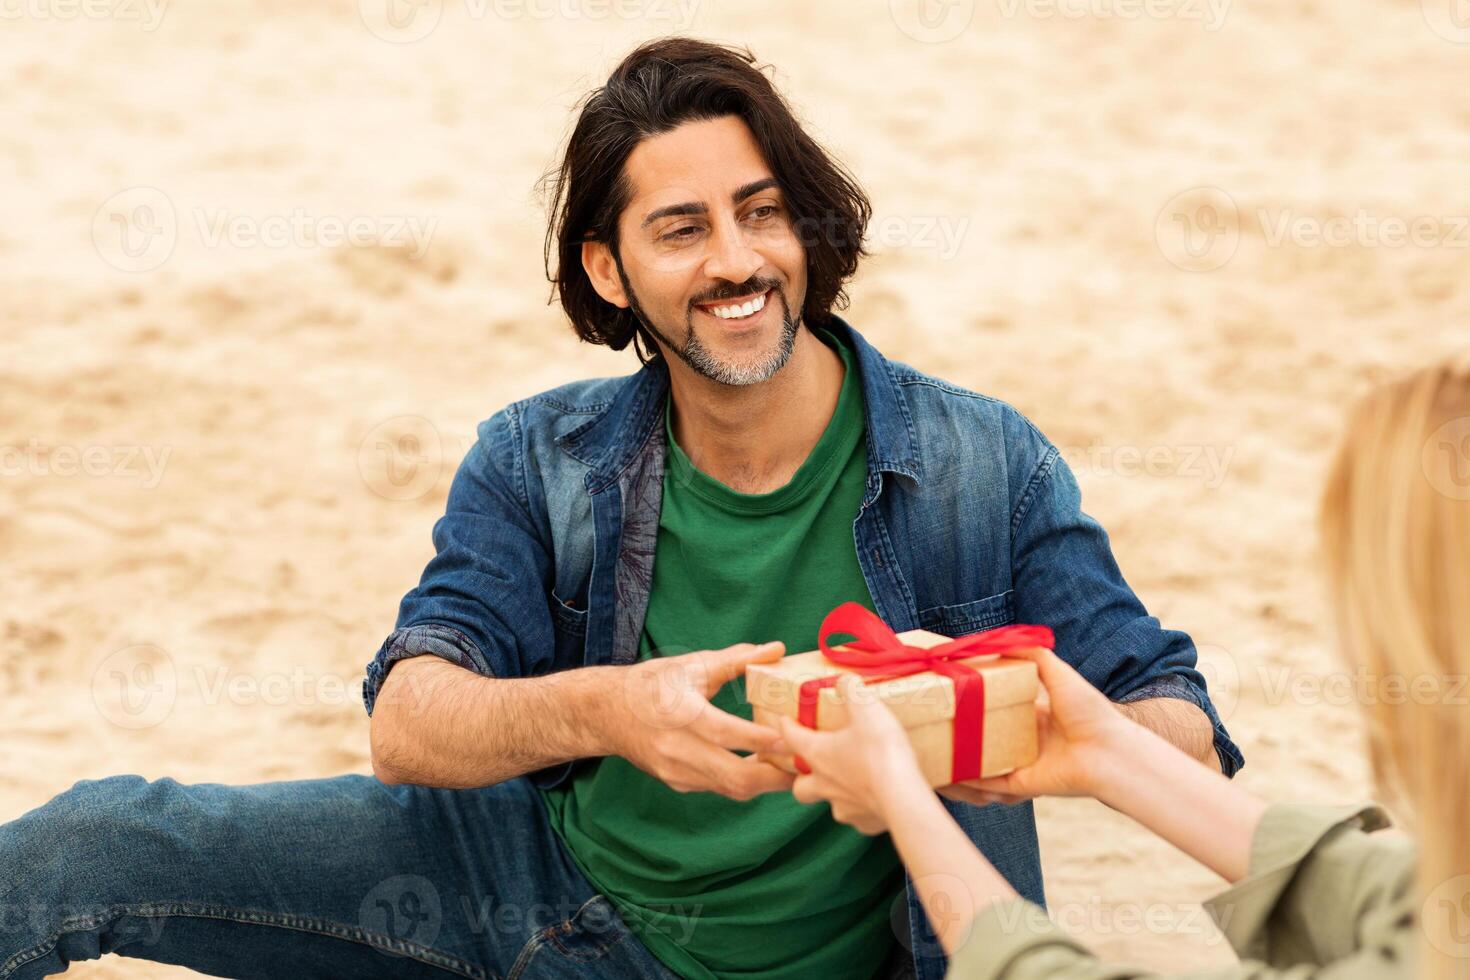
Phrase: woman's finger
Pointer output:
(802, 791)
(965, 794)
(852, 691)
(862, 700)
(998, 790)
(860, 818)
(821, 751)
(814, 789)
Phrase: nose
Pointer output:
(731, 257)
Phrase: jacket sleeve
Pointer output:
(1064, 576)
(1320, 884)
(1322, 899)
(482, 600)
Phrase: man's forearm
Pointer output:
(437, 724)
(1179, 723)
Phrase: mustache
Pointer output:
(748, 288)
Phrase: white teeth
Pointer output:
(744, 310)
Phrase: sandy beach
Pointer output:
(1180, 242)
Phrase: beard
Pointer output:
(705, 362)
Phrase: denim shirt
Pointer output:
(971, 520)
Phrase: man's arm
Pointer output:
(1179, 723)
(438, 724)
(467, 690)
(1064, 575)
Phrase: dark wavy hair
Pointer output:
(659, 86)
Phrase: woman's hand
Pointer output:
(1081, 733)
(863, 768)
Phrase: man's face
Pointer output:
(706, 234)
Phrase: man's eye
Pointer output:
(678, 234)
(765, 211)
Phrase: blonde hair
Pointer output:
(1395, 525)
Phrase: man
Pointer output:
(566, 780)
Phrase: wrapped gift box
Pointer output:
(923, 702)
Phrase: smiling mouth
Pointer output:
(736, 311)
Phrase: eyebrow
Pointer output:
(694, 207)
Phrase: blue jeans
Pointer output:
(341, 877)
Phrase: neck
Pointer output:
(753, 438)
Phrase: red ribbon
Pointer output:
(879, 655)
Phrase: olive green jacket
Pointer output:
(1321, 892)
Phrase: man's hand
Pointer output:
(659, 717)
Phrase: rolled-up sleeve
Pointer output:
(1066, 577)
(482, 600)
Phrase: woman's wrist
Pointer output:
(1145, 777)
(1112, 761)
(900, 783)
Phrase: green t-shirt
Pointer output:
(770, 888)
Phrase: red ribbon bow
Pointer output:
(879, 655)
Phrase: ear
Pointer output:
(602, 269)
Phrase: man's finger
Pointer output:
(723, 666)
(739, 778)
(727, 731)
